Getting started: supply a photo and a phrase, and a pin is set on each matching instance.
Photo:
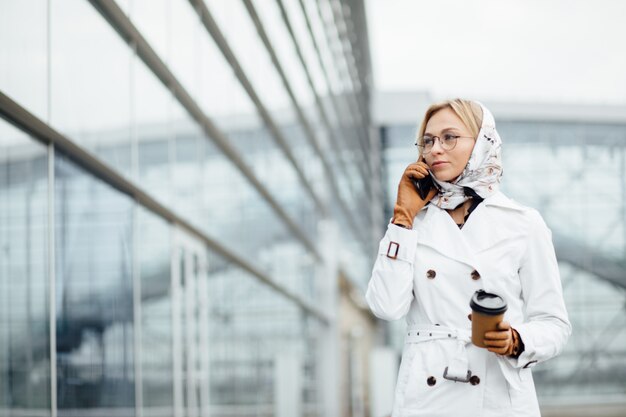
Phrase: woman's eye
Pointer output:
(428, 141)
(449, 136)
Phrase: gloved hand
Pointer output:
(408, 202)
(504, 341)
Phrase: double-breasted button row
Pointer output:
(431, 274)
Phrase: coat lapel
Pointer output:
(485, 228)
(439, 232)
(494, 223)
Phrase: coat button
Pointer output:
(430, 274)
(475, 275)
(474, 380)
(431, 381)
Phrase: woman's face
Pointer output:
(448, 165)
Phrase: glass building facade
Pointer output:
(182, 185)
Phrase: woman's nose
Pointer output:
(437, 148)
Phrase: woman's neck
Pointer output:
(458, 214)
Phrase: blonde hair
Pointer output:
(468, 111)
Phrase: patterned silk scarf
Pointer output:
(483, 170)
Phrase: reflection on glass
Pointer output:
(152, 125)
(24, 277)
(153, 19)
(283, 46)
(299, 25)
(23, 54)
(250, 327)
(156, 314)
(238, 29)
(94, 303)
(90, 90)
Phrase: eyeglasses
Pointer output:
(426, 143)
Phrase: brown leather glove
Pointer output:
(504, 341)
(408, 202)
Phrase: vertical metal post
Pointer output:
(51, 225)
(328, 346)
(176, 331)
(52, 288)
(621, 174)
(136, 271)
(137, 325)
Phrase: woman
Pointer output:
(466, 235)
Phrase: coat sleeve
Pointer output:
(390, 289)
(546, 327)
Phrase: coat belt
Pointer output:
(458, 368)
(426, 333)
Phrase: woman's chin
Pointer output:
(445, 177)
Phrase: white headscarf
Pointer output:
(482, 172)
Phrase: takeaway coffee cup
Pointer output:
(487, 311)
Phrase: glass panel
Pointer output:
(220, 93)
(305, 42)
(90, 93)
(153, 19)
(250, 328)
(94, 303)
(176, 158)
(185, 57)
(240, 33)
(283, 46)
(24, 277)
(23, 54)
(156, 314)
(152, 122)
(312, 11)
(252, 139)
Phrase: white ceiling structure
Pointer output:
(532, 51)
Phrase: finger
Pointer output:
(499, 351)
(423, 165)
(497, 343)
(498, 335)
(422, 168)
(504, 325)
(419, 167)
(415, 174)
(414, 167)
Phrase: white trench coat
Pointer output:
(504, 248)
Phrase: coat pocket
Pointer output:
(424, 380)
(404, 373)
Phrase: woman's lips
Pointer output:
(438, 164)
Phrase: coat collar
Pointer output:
(484, 229)
(498, 199)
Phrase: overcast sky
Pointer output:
(569, 51)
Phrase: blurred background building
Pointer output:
(191, 199)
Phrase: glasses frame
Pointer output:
(423, 149)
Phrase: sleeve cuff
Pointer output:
(526, 358)
(398, 243)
